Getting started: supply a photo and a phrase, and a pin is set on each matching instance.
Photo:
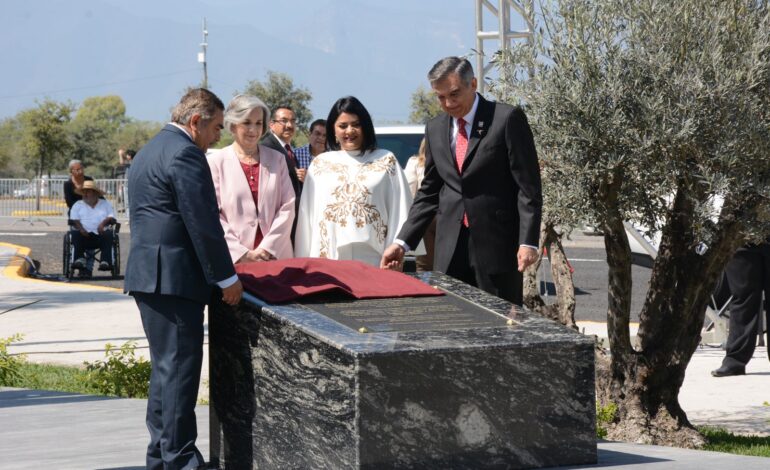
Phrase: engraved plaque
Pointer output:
(446, 312)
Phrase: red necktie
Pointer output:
(290, 153)
(461, 147)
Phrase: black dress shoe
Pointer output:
(726, 371)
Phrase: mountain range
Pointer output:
(146, 51)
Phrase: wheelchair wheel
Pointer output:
(67, 269)
(116, 256)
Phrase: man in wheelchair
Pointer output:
(91, 218)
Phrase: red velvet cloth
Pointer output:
(289, 279)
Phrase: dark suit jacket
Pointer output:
(499, 189)
(177, 243)
(269, 140)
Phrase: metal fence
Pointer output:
(26, 199)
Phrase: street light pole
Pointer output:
(202, 56)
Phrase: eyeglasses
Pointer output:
(285, 122)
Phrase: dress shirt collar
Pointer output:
(183, 129)
(283, 144)
(468, 117)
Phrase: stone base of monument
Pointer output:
(458, 381)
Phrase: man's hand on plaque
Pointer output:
(393, 258)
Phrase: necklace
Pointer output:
(251, 170)
(248, 158)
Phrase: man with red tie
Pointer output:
(283, 126)
(482, 182)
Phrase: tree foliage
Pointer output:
(98, 129)
(93, 129)
(424, 106)
(652, 111)
(45, 139)
(11, 152)
(278, 90)
(134, 134)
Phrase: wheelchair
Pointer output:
(68, 252)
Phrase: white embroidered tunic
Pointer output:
(352, 206)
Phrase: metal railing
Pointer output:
(27, 199)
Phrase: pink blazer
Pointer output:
(237, 213)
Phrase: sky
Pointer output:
(147, 51)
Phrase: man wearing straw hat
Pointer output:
(91, 216)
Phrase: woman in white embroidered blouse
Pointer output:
(356, 196)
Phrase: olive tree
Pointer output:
(651, 111)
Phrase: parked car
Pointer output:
(49, 187)
(403, 141)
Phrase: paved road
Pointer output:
(46, 243)
(586, 255)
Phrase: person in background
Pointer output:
(415, 172)
(283, 126)
(748, 277)
(124, 162)
(91, 217)
(121, 172)
(316, 145)
(71, 196)
(356, 196)
(130, 153)
(178, 255)
(482, 180)
(74, 183)
(254, 191)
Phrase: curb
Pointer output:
(41, 213)
(17, 267)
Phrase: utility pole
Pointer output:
(202, 56)
(503, 12)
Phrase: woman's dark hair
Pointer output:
(351, 105)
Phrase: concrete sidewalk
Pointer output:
(69, 324)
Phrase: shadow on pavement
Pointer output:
(24, 397)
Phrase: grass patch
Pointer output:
(53, 377)
(720, 440)
(119, 374)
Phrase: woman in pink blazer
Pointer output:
(254, 192)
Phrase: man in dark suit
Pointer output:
(178, 253)
(283, 126)
(748, 276)
(482, 181)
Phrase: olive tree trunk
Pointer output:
(563, 310)
(644, 380)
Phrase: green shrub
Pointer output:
(121, 373)
(9, 365)
(605, 415)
